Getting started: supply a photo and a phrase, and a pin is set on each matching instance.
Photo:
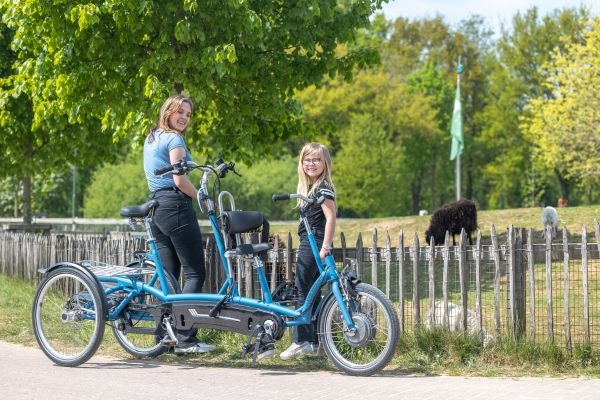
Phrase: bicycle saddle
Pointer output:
(250, 249)
(241, 221)
(139, 211)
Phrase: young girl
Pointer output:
(314, 181)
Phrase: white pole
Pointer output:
(457, 177)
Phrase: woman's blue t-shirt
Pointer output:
(157, 146)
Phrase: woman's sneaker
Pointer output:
(299, 349)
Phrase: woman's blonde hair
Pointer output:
(305, 187)
(170, 107)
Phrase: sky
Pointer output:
(496, 12)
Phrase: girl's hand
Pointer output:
(323, 253)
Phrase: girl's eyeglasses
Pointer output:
(308, 161)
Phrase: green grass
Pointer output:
(422, 352)
(573, 218)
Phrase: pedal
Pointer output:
(266, 351)
(168, 341)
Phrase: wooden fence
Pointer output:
(511, 283)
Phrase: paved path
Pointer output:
(26, 374)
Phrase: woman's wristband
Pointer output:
(327, 246)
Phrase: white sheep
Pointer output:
(550, 218)
(423, 213)
(455, 320)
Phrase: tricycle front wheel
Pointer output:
(373, 344)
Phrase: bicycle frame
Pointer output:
(229, 290)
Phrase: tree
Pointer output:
(115, 62)
(255, 188)
(37, 151)
(91, 74)
(367, 172)
(114, 186)
(565, 127)
(517, 75)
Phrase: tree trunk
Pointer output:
(27, 200)
(564, 185)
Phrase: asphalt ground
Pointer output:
(26, 373)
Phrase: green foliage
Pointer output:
(564, 126)
(253, 191)
(52, 194)
(516, 76)
(366, 170)
(114, 186)
(112, 63)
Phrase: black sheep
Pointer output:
(452, 217)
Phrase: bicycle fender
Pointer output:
(323, 301)
(83, 270)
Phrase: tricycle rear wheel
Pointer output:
(68, 315)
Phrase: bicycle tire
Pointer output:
(142, 345)
(373, 345)
(68, 315)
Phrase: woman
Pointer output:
(174, 224)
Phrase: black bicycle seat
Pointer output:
(251, 249)
(139, 211)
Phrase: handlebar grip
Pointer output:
(164, 170)
(277, 197)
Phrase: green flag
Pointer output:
(457, 129)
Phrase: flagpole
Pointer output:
(457, 168)
(459, 70)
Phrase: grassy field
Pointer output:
(573, 218)
(419, 353)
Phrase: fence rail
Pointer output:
(515, 283)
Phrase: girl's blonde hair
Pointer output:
(305, 187)
(170, 107)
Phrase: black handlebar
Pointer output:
(183, 167)
(164, 170)
(278, 197)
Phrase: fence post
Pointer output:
(431, 273)
(597, 231)
(343, 246)
(274, 258)
(388, 265)
(359, 256)
(374, 259)
(550, 317)
(446, 257)
(530, 263)
(211, 266)
(586, 295)
(249, 272)
(400, 253)
(289, 256)
(462, 270)
(520, 308)
(496, 256)
(566, 289)
(478, 284)
(415, 272)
